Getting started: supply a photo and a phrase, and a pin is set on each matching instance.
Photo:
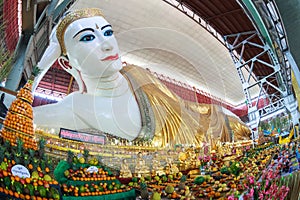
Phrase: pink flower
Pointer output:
(267, 183)
(274, 187)
(261, 196)
(269, 174)
(283, 192)
(231, 197)
(251, 180)
(270, 190)
(258, 184)
(267, 192)
(246, 197)
(251, 192)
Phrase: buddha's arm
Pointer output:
(57, 115)
(51, 115)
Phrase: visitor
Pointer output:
(286, 164)
(297, 153)
(3, 107)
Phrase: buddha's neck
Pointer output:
(110, 86)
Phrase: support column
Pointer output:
(292, 106)
(254, 119)
(294, 66)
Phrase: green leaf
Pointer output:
(35, 71)
(59, 171)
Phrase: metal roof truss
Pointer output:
(271, 80)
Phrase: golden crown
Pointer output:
(71, 17)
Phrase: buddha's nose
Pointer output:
(106, 46)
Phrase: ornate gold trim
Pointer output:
(70, 18)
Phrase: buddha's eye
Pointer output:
(87, 38)
(108, 33)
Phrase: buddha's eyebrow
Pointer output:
(85, 29)
(103, 27)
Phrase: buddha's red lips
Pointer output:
(115, 57)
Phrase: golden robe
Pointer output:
(168, 120)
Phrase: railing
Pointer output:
(39, 40)
(61, 9)
(37, 44)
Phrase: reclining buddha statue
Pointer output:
(123, 101)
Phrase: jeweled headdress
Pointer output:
(71, 17)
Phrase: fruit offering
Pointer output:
(25, 93)
(82, 179)
(18, 123)
(94, 189)
(22, 107)
(26, 188)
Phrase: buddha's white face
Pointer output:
(92, 48)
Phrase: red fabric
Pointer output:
(38, 101)
(10, 18)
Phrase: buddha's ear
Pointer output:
(64, 63)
